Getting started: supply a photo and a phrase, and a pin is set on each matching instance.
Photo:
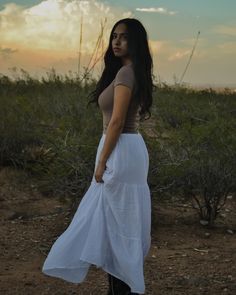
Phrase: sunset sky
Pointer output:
(37, 35)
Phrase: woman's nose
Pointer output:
(117, 40)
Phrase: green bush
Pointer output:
(47, 129)
(195, 148)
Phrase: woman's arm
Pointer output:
(122, 98)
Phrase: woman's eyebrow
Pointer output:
(120, 33)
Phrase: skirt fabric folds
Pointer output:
(112, 225)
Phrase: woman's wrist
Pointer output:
(102, 161)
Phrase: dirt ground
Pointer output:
(185, 257)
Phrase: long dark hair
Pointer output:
(141, 58)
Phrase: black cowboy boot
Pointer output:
(117, 287)
(109, 292)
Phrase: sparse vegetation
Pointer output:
(47, 130)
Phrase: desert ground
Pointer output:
(185, 257)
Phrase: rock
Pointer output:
(203, 222)
(230, 231)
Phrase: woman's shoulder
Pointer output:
(125, 75)
(126, 68)
(126, 71)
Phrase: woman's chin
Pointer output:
(117, 53)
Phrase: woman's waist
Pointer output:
(126, 132)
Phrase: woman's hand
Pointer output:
(99, 171)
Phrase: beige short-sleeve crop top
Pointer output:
(124, 76)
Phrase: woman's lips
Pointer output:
(116, 49)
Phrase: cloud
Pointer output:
(160, 10)
(228, 47)
(157, 46)
(179, 55)
(7, 52)
(191, 41)
(225, 30)
(55, 24)
(48, 34)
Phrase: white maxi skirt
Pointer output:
(112, 225)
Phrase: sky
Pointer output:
(39, 35)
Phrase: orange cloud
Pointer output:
(179, 55)
(225, 30)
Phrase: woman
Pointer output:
(112, 225)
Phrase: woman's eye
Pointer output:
(124, 37)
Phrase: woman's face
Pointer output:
(120, 41)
